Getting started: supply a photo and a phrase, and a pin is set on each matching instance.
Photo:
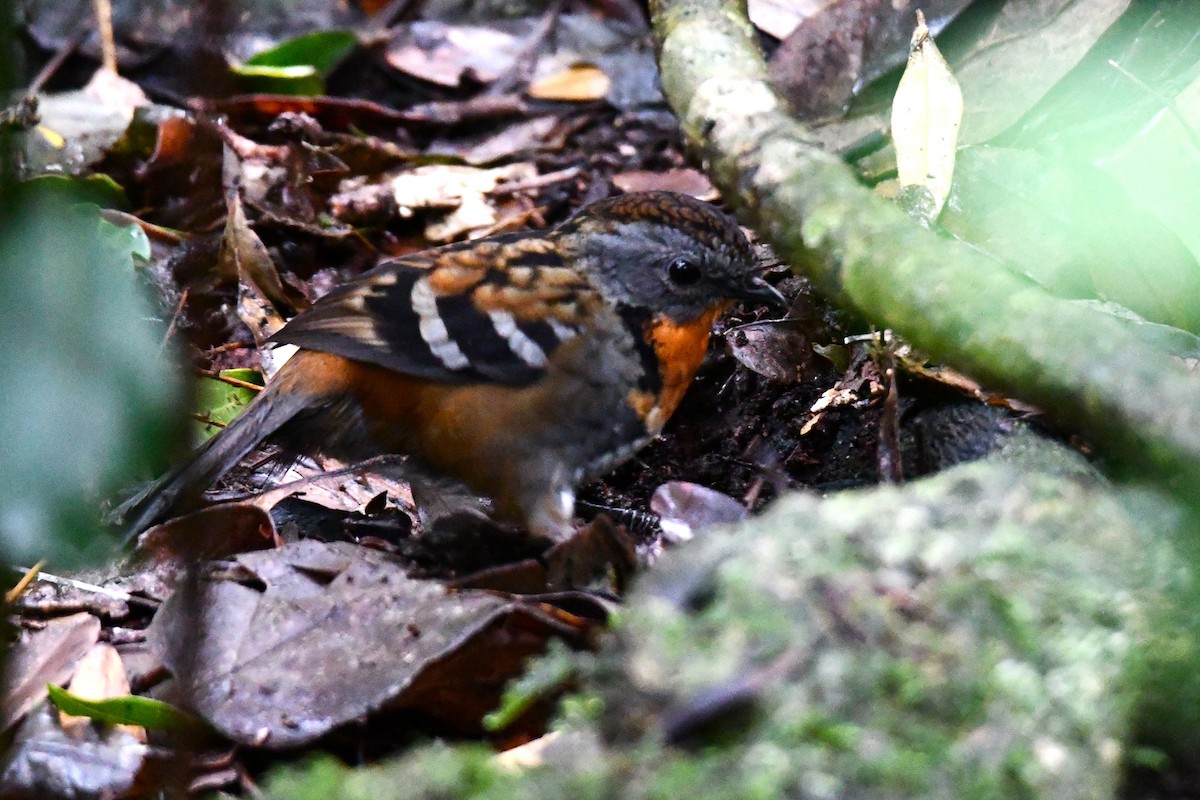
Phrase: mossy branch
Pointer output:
(955, 304)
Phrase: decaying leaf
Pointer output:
(326, 634)
(776, 349)
(461, 189)
(684, 181)
(443, 54)
(926, 114)
(41, 657)
(780, 17)
(46, 761)
(218, 531)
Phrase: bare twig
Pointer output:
(115, 594)
(217, 376)
(26, 579)
(108, 45)
(170, 331)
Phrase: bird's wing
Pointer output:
(494, 311)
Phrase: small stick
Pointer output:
(116, 594)
(174, 320)
(26, 579)
(108, 46)
(216, 376)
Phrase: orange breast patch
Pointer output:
(680, 350)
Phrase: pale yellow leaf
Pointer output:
(926, 113)
(579, 83)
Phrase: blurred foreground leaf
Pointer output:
(1073, 229)
(84, 399)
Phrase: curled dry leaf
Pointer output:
(263, 296)
(776, 349)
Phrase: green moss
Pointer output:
(965, 636)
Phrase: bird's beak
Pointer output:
(756, 288)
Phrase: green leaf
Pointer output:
(1073, 229)
(1159, 167)
(98, 189)
(221, 402)
(126, 238)
(321, 51)
(129, 710)
(298, 66)
(301, 81)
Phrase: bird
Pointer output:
(521, 364)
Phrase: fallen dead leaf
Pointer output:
(780, 17)
(211, 533)
(46, 761)
(685, 181)
(44, 656)
(776, 349)
(327, 634)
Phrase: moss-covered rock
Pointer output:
(969, 635)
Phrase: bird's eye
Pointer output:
(683, 271)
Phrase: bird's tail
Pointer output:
(182, 485)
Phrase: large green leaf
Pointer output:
(221, 401)
(1073, 229)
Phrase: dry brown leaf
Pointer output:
(685, 181)
(44, 656)
(780, 17)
